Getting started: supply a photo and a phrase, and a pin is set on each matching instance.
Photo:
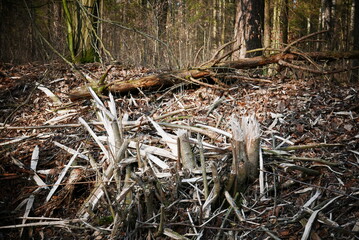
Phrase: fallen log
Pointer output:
(166, 79)
(159, 80)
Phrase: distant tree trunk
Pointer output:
(309, 26)
(280, 24)
(56, 24)
(284, 22)
(356, 25)
(355, 73)
(326, 19)
(267, 25)
(145, 46)
(327, 22)
(221, 22)
(248, 27)
(81, 30)
(161, 12)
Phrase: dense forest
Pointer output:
(179, 119)
(169, 33)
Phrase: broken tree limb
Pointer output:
(159, 80)
(286, 49)
(330, 55)
(286, 64)
(259, 61)
(166, 79)
(214, 58)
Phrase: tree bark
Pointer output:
(81, 29)
(327, 21)
(157, 81)
(285, 19)
(267, 25)
(280, 23)
(248, 27)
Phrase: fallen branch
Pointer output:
(195, 75)
(287, 64)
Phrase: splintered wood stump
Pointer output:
(245, 149)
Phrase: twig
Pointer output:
(226, 54)
(312, 218)
(319, 145)
(20, 105)
(197, 54)
(41, 127)
(190, 128)
(216, 103)
(203, 167)
(62, 174)
(217, 52)
(145, 122)
(314, 186)
(162, 222)
(314, 160)
(301, 39)
(135, 30)
(270, 233)
(308, 171)
(247, 78)
(231, 202)
(287, 64)
(192, 80)
(173, 235)
(61, 223)
(103, 77)
(223, 223)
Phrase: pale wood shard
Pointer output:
(187, 157)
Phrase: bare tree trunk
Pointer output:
(267, 24)
(57, 26)
(248, 27)
(284, 22)
(356, 26)
(81, 30)
(145, 46)
(355, 73)
(280, 23)
(327, 20)
(161, 12)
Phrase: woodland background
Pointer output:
(168, 33)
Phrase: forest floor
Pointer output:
(311, 190)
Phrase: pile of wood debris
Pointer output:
(160, 164)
